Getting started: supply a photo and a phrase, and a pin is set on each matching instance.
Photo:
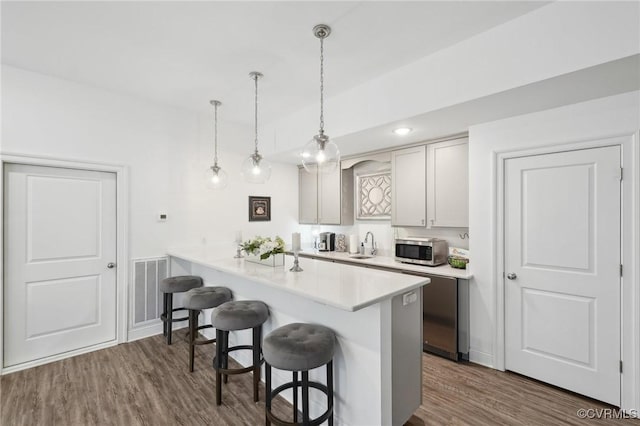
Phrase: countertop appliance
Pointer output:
(421, 250)
(327, 241)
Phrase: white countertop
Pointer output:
(391, 263)
(342, 286)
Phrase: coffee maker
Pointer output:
(327, 241)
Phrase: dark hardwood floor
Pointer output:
(470, 394)
(144, 382)
(148, 383)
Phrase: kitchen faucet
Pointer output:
(374, 250)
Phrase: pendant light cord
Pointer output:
(215, 135)
(255, 77)
(321, 86)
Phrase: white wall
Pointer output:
(165, 149)
(556, 39)
(606, 117)
(46, 116)
(199, 215)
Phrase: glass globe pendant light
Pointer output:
(216, 178)
(255, 169)
(321, 154)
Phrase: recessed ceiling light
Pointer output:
(401, 131)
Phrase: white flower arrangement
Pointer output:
(263, 247)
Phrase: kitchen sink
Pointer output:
(360, 256)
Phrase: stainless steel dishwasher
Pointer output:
(440, 317)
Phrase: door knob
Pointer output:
(512, 276)
(111, 265)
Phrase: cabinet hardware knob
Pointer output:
(511, 276)
(111, 265)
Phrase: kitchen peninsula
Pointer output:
(375, 314)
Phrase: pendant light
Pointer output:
(216, 178)
(321, 154)
(256, 169)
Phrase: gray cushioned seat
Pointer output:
(299, 347)
(239, 315)
(206, 297)
(180, 284)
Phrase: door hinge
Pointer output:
(621, 366)
(621, 173)
(621, 269)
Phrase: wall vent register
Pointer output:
(147, 298)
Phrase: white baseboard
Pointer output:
(482, 358)
(152, 330)
(58, 357)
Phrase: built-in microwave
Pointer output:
(421, 250)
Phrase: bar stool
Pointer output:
(234, 316)
(195, 300)
(171, 285)
(299, 347)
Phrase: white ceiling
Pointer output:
(612, 78)
(186, 53)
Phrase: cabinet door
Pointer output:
(307, 197)
(448, 184)
(408, 193)
(329, 196)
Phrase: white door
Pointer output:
(562, 270)
(59, 237)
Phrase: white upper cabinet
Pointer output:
(325, 199)
(448, 184)
(408, 187)
(307, 197)
(329, 198)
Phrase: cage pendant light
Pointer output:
(216, 178)
(255, 169)
(320, 154)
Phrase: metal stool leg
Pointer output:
(169, 317)
(305, 398)
(295, 397)
(165, 297)
(305, 384)
(220, 362)
(267, 379)
(225, 355)
(257, 337)
(219, 340)
(193, 331)
(330, 390)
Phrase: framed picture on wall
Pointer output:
(259, 209)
